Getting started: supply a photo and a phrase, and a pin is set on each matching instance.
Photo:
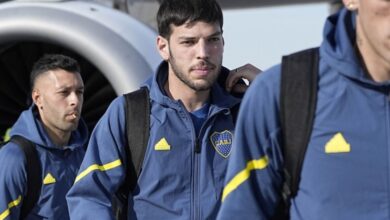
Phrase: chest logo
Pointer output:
(162, 145)
(222, 142)
(337, 144)
(49, 179)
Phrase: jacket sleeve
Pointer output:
(102, 170)
(12, 181)
(254, 173)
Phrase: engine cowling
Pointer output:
(116, 52)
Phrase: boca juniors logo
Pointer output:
(222, 142)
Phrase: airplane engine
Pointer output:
(116, 52)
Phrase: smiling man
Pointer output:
(191, 127)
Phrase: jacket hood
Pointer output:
(219, 96)
(31, 128)
(339, 49)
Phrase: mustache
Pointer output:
(203, 65)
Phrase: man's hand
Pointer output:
(248, 72)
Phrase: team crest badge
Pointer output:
(222, 142)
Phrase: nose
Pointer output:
(203, 50)
(75, 99)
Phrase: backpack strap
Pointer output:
(33, 169)
(137, 129)
(298, 99)
(137, 126)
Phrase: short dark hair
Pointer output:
(178, 12)
(51, 62)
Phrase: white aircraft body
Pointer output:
(114, 40)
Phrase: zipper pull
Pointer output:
(197, 146)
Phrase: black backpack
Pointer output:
(33, 169)
(298, 97)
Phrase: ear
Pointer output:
(36, 97)
(163, 47)
(351, 5)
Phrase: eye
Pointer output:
(188, 42)
(63, 93)
(80, 92)
(215, 39)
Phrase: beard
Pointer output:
(204, 84)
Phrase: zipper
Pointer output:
(197, 146)
(195, 171)
(196, 180)
(195, 201)
(196, 184)
(388, 140)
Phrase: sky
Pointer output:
(260, 36)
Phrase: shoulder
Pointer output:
(259, 109)
(10, 152)
(117, 103)
(116, 108)
(114, 116)
(270, 76)
(12, 160)
(266, 85)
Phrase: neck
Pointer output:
(377, 67)
(191, 99)
(58, 137)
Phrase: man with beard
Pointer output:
(57, 133)
(191, 127)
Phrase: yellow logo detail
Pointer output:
(162, 145)
(49, 179)
(337, 145)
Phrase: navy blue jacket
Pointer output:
(346, 172)
(59, 169)
(176, 182)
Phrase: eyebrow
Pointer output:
(69, 87)
(212, 35)
(216, 33)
